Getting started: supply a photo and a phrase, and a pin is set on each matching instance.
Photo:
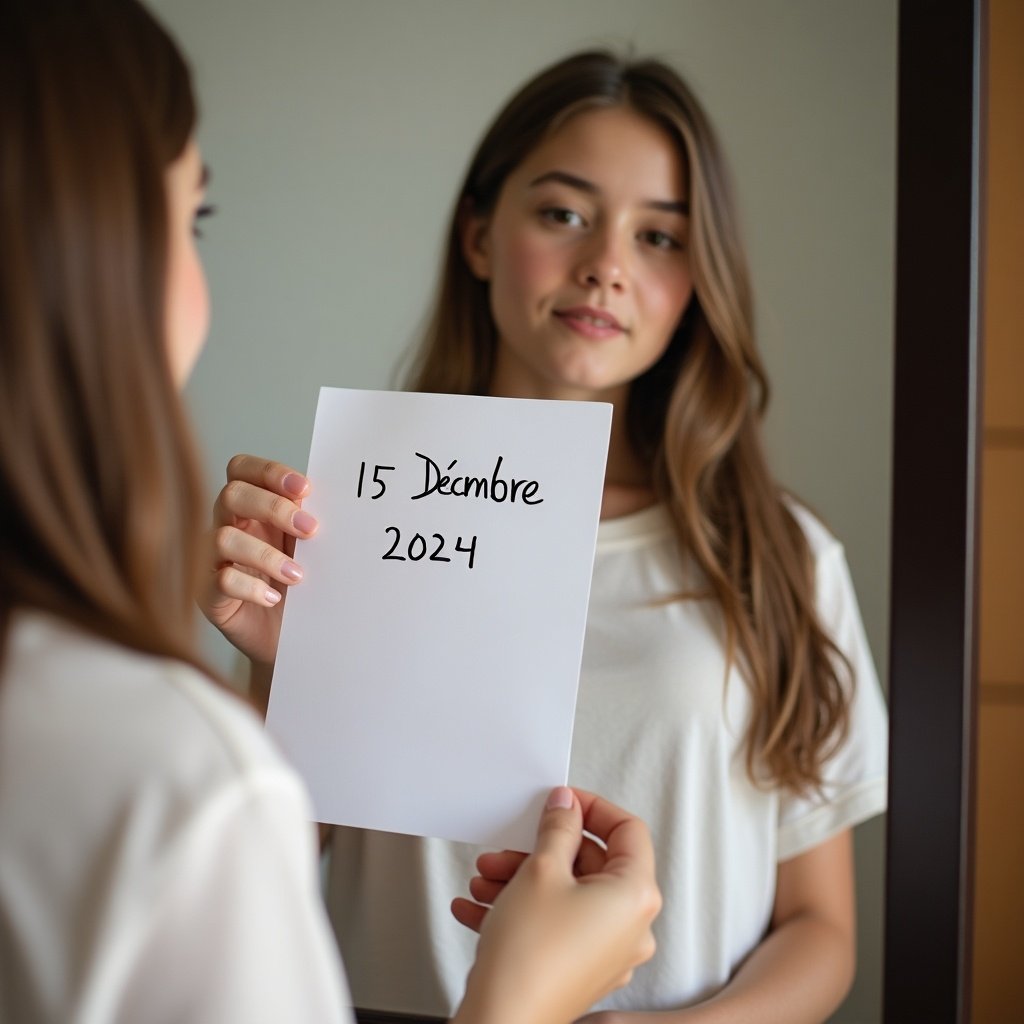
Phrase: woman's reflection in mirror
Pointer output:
(727, 693)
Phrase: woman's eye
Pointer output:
(200, 214)
(561, 215)
(662, 240)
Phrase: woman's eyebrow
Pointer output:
(679, 206)
(204, 176)
(567, 179)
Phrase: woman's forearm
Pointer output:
(798, 975)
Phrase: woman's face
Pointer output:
(586, 256)
(187, 315)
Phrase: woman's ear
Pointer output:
(474, 233)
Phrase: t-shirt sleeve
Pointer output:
(855, 775)
(235, 928)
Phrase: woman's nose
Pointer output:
(602, 263)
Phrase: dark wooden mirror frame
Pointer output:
(932, 661)
(932, 675)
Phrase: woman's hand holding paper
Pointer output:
(257, 518)
(565, 926)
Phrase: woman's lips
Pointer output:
(590, 322)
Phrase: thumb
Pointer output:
(561, 826)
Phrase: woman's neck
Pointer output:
(628, 486)
(627, 481)
(618, 500)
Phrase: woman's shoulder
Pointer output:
(126, 712)
(155, 799)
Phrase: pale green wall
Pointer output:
(337, 131)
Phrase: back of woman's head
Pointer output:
(98, 481)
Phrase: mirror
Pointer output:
(337, 133)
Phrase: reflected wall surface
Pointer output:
(338, 131)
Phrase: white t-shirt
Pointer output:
(157, 861)
(658, 733)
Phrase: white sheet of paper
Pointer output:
(428, 666)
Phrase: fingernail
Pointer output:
(294, 484)
(304, 522)
(291, 571)
(560, 797)
(272, 596)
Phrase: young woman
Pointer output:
(727, 688)
(156, 857)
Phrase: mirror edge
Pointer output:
(933, 658)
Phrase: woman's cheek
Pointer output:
(189, 311)
(672, 295)
(533, 263)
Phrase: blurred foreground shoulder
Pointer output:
(148, 829)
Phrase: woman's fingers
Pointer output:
(241, 500)
(237, 585)
(485, 890)
(269, 475)
(572, 921)
(626, 837)
(234, 547)
(468, 913)
(266, 491)
(497, 869)
(559, 835)
(590, 860)
(499, 866)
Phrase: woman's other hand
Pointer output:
(565, 926)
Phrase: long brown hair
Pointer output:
(694, 417)
(99, 482)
